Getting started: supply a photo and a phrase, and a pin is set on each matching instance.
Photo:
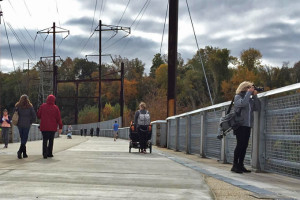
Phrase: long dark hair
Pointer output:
(24, 102)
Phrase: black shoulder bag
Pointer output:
(231, 121)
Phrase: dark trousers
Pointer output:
(48, 147)
(5, 136)
(143, 131)
(24, 135)
(242, 139)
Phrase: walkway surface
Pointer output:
(99, 168)
(96, 168)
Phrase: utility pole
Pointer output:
(99, 75)
(122, 94)
(54, 31)
(103, 27)
(172, 56)
(54, 66)
(28, 79)
(1, 14)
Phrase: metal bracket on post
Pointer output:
(177, 134)
(223, 145)
(188, 134)
(202, 135)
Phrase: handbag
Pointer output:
(15, 117)
(231, 121)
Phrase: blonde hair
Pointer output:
(142, 105)
(243, 87)
(24, 102)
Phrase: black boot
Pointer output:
(243, 169)
(19, 153)
(235, 168)
(24, 151)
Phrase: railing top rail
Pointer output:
(263, 94)
(159, 121)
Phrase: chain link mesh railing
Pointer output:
(212, 143)
(172, 134)
(277, 136)
(182, 134)
(195, 133)
(282, 129)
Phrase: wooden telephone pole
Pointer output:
(172, 56)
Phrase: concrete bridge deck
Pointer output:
(99, 168)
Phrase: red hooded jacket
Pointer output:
(49, 114)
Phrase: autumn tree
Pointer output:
(161, 76)
(250, 58)
(240, 74)
(156, 62)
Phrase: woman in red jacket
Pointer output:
(49, 114)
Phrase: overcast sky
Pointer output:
(272, 26)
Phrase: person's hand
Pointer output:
(59, 131)
(251, 89)
(255, 92)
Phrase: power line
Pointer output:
(123, 12)
(27, 8)
(142, 14)
(162, 37)
(187, 4)
(11, 54)
(19, 41)
(139, 13)
(12, 57)
(147, 2)
(88, 40)
(94, 15)
(57, 12)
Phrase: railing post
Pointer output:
(258, 139)
(177, 134)
(202, 135)
(223, 145)
(168, 133)
(188, 134)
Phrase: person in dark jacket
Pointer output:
(26, 117)
(50, 117)
(245, 102)
(85, 132)
(98, 131)
(92, 132)
(142, 121)
(81, 132)
(5, 121)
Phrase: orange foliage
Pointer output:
(240, 74)
(130, 90)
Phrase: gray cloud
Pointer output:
(271, 26)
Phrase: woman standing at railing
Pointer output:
(245, 102)
(50, 117)
(26, 117)
(5, 124)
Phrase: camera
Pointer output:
(258, 89)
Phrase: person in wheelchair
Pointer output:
(142, 122)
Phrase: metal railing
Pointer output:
(274, 145)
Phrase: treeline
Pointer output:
(223, 71)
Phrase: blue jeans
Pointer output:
(5, 136)
(24, 134)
